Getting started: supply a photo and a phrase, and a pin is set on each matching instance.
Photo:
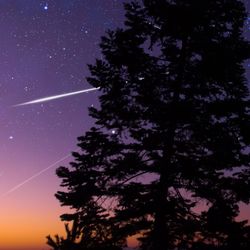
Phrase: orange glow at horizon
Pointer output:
(28, 230)
(28, 215)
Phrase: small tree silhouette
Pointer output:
(68, 243)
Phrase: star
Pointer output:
(46, 7)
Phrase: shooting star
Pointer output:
(50, 98)
(34, 176)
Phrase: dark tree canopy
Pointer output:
(168, 157)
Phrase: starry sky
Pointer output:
(45, 47)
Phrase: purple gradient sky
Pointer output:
(44, 49)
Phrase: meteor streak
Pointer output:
(49, 98)
(34, 176)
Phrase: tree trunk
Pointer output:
(161, 236)
(161, 231)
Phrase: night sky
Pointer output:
(45, 47)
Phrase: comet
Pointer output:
(50, 98)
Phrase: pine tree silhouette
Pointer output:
(171, 133)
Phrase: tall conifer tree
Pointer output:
(168, 158)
